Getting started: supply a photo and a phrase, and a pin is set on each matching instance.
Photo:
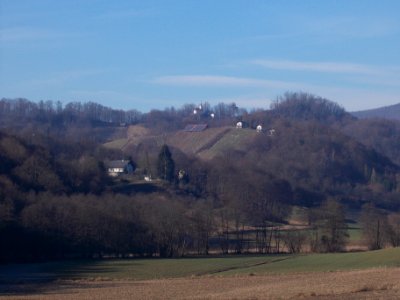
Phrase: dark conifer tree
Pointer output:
(165, 164)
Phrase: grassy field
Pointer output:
(147, 269)
(237, 139)
(116, 144)
(213, 141)
(195, 142)
(327, 262)
(355, 234)
(358, 275)
(132, 269)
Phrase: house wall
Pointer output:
(115, 171)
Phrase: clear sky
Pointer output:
(147, 54)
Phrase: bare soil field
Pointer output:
(377, 283)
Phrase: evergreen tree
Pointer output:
(165, 164)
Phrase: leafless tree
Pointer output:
(374, 226)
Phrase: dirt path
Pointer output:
(366, 284)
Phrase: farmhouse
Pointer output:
(119, 167)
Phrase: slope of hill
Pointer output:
(211, 142)
(317, 147)
(387, 112)
(52, 166)
(204, 143)
(310, 155)
(319, 158)
(383, 135)
(133, 135)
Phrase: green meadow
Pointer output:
(147, 269)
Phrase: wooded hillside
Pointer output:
(223, 189)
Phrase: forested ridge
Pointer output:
(57, 200)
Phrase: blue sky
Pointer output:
(156, 54)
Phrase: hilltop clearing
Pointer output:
(212, 142)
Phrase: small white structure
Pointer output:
(239, 125)
(259, 128)
(195, 112)
(119, 167)
(271, 132)
(147, 178)
(212, 115)
(181, 174)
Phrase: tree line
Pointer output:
(88, 226)
(95, 114)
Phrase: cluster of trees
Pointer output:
(379, 228)
(56, 112)
(328, 227)
(44, 215)
(308, 107)
(53, 226)
(45, 164)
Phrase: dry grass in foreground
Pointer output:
(381, 283)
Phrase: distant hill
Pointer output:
(387, 112)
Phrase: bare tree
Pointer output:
(374, 226)
(223, 229)
(329, 228)
(393, 231)
(294, 240)
(202, 226)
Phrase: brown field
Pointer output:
(380, 283)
